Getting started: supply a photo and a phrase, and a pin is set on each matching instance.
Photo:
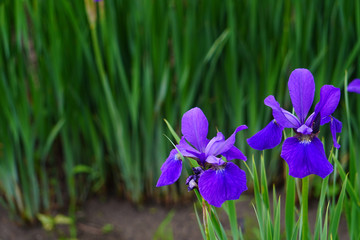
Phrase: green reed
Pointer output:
(82, 102)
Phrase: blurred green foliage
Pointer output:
(84, 87)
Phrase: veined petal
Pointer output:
(305, 157)
(354, 86)
(302, 89)
(268, 137)
(234, 153)
(220, 145)
(171, 169)
(194, 127)
(282, 117)
(335, 127)
(217, 186)
(329, 100)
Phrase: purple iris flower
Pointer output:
(354, 86)
(304, 152)
(216, 179)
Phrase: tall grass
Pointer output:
(85, 86)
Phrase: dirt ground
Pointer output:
(113, 219)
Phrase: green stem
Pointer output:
(205, 218)
(352, 163)
(289, 204)
(233, 219)
(304, 208)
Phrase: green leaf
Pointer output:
(231, 212)
(164, 231)
(289, 204)
(173, 133)
(335, 218)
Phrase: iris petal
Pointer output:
(354, 86)
(304, 129)
(219, 146)
(194, 127)
(214, 144)
(305, 158)
(310, 120)
(218, 186)
(335, 127)
(234, 153)
(186, 150)
(171, 169)
(329, 100)
(302, 89)
(214, 160)
(268, 137)
(283, 117)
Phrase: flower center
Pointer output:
(305, 138)
(219, 168)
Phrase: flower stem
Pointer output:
(304, 208)
(289, 204)
(205, 217)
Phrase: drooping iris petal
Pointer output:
(268, 137)
(218, 186)
(170, 170)
(354, 86)
(194, 127)
(302, 90)
(171, 155)
(220, 146)
(304, 129)
(234, 153)
(282, 117)
(335, 127)
(325, 120)
(305, 157)
(329, 100)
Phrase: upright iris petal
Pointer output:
(194, 127)
(329, 100)
(304, 152)
(302, 90)
(218, 145)
(354, 86)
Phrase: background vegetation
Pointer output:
(84, 87)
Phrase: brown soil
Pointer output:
(126, 222)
